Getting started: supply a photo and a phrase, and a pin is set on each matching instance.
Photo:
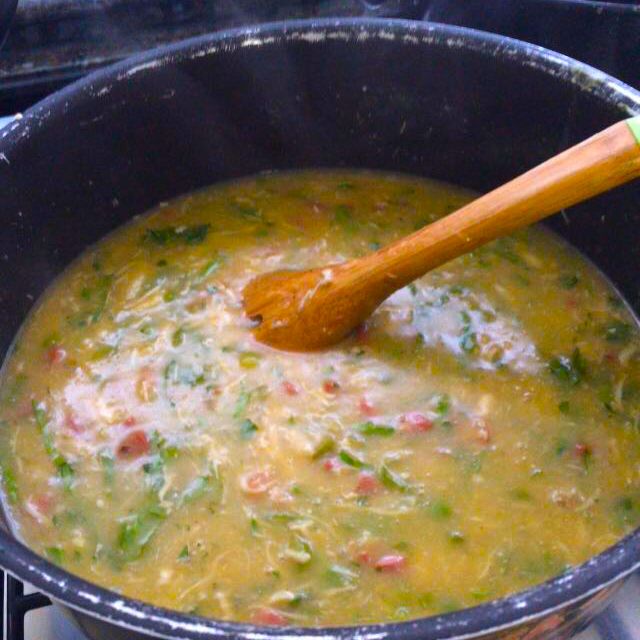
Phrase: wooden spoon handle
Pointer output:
(606, 160)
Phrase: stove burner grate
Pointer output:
(17, 604)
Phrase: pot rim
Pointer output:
(599, 572)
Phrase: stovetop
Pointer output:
(53, 42)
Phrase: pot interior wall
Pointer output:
(87, 161)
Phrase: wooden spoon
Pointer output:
(308, 310)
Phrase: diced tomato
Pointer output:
(362, 333)
(330, 386)
(43, 503)
(134, 445)
(56, 354)
(571, 301)
(366, 408)
(390, 563)
(290, 388)
(367, 484)
(71, 422)
(39, 507)
(611, 357)
(582, 449)
(257, 482)
(129, 421)
(415, 422)
(268, 616)
(331, 464)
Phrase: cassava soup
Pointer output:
(477, 436)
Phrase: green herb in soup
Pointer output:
(480, 434)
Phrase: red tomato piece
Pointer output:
(56, 354)
(257, 482)
(71, 422)
(268, 616)
(330, 386)
(129, 421)
(39, 507)
(290, 388)
(415, 422)
(367, 484)
(390, 563)
(582, 449)
(43, 503)
(331, 464)
(571, 302)
(611, 357)
(134, 445)
(366, 408)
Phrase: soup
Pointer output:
(477, 436)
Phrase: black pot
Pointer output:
(444, 102)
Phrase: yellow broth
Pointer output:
(479, 435)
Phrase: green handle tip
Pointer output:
(634, 125)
